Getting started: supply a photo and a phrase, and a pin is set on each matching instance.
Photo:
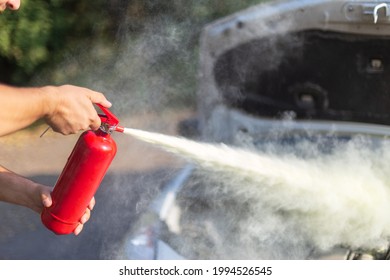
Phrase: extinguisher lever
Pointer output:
(109, 120)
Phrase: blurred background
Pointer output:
(138, 52)
(143, 55)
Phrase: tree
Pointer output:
(36, 35)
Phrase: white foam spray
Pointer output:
(336, 198)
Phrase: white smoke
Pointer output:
(323, 200)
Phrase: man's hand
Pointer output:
(46, 201)
(67, 109)
(70, 108)
(19, 190)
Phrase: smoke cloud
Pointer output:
(284, 204)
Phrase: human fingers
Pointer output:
(81, 103)
(78, 229)
(86, 216)
(99, 98)
(70, 108)
(91, 205)
(83, 220)
(95, 123)
(39, 197)
(46, 197)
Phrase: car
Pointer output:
(306, 84)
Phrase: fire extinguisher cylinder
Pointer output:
(81, 177)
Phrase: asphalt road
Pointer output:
(133, 179)
(120, 199)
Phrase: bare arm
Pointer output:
(21, 191)
(67, 109)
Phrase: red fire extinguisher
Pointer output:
(82, 175)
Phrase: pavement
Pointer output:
(132, 181)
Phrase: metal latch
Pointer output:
(368, 11)
(375, 10)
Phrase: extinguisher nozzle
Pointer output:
(119, 128)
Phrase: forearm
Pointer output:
(18, 190)
(22, 107)
(67, 109)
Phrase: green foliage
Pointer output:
(146, 47)
(37, 34)
(23, 40)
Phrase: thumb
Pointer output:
(46, 198)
